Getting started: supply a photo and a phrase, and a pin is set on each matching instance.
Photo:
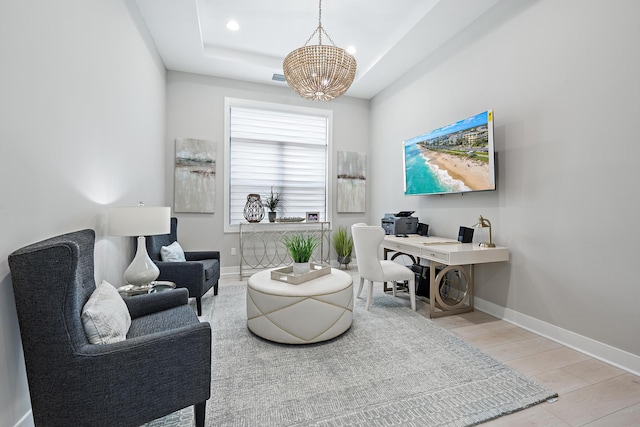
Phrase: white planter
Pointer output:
(301, 268)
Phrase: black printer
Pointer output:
(400, 224)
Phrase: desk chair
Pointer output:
(366, 242)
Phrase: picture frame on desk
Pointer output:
(312, 216)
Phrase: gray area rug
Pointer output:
(392, 368)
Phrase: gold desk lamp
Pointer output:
(482, 223)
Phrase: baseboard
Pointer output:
(604, 352)
(230, 271)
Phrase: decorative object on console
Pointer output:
(483, 223)
(139, 221)
(343, 244)
(352, 181)
(253, 209)
(300, 247)
(195, 176)
(312, 216)
(290, 219)
(319, 72)
(273, 201)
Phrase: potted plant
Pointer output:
(300, 247)
(272, 202)
(343, 244)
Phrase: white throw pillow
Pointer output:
(172, 253)
(105, 316)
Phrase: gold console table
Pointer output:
(261, 243)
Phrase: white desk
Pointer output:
(455, 261)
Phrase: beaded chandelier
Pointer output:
(319, 72)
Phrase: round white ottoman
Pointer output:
(313, 311)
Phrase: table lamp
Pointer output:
(140, 221)
(482, 223)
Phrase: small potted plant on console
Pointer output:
(272, 202)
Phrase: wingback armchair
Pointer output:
(162, 366)
(198, 274)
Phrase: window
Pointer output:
(281, 146)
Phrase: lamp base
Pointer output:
(487, 245)
(142, 271)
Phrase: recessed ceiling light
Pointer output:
(351, 50)
(233, 26)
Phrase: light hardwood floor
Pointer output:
(591, 393)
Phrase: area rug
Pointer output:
(392, 368)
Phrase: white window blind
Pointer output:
(281, 149)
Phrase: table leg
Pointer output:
(385, 288)
(432, 289)
(397, 254)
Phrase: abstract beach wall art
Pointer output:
(352, 180)
(195, 176)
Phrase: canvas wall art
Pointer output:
(351, 181)
(195, 176)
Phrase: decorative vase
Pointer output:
(253, 210)
(301, 268)
(272, 216)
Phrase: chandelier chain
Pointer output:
(320, 29)
(320, 22)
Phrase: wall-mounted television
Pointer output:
(457, 158)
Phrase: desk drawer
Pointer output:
(399, 247)
(431, 254)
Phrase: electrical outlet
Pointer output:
(233, 251)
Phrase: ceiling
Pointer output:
(390, 36)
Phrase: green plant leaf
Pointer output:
(300, 247)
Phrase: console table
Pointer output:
(451, 266)
(261, 243)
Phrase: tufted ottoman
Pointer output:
(313, 311)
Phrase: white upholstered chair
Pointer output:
(366, 242)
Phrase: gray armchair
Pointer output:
(162, 366)
(198, 274)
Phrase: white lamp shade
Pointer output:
(139, 220)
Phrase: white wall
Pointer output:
(82, 119)
(195, 109)
(562, 78)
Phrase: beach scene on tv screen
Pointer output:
(452, 159)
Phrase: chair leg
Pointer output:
(199, 305)
(369, 295)
(412, 293)
(360, 288)
(215, 289)
(199, 412)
